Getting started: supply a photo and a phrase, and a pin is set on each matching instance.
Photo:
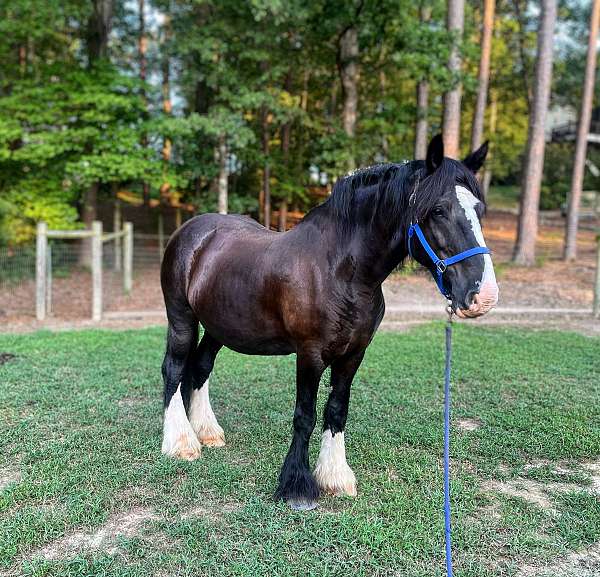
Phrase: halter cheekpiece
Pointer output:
(441, 264)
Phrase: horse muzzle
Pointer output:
(485, 300)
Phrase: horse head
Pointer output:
(451, 227)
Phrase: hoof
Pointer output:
(343, 483)
(186, 448)
(302, 505)
(297, 487)
(213, 440)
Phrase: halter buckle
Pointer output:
(441, 266)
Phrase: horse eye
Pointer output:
(438, 212)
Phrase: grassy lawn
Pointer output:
(80, 415)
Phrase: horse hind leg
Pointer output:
(201, 415)
(179, 438)
(332, 472)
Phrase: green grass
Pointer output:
(80, 415)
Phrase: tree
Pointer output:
(142, 49)
(534, 160)
(422, 126)
(452, 97)
(484, 74)
(222, 187)
(585, 112)
(348, 65)
(98, 32)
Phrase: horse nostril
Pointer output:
(470, 298)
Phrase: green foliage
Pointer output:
(558, 169)
(58, 138)
(263, 77)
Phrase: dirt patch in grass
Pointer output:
(534, 492)
(8, 477)
(540, 492)
(584, 563)
(212, 509)
(123, 525)
(468, 424)
(593, 468)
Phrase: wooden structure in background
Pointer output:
(285, 219)
(44, 267)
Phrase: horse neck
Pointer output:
(378, 250)
(375, 245)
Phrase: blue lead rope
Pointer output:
(448, 528)
(441, 264)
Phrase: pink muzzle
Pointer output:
(484, 301)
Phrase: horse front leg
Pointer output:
(297, 486)
(179, 439)
(332, 472)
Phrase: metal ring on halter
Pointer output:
(441, 266)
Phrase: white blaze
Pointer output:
(488, 286)
(468, 202)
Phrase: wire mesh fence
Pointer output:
(70, 280)
(17, 280)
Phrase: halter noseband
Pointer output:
(441, 264)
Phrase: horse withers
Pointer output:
(314, 291)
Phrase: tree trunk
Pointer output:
(534, 161)
(283, 206)
(286, 132)
(583, 127)
(223, 175)
(22, 55)
(98, 30)
(522, 40)
(451, 119)
(385, 146)
(97, 35)
(89, 209)
(487, 173)
(484, 74)
(167, 107)
(348, 66)
(142, 48)
(422, 125)
(266, 169)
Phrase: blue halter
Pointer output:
(441, 264)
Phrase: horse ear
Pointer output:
(476, 159)
(435, 154)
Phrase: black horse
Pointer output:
(314, 291)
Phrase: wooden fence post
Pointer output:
(118, 242)
(597, 287)
(40, 270)
(97, 270)
(49, 279)
(128, 257)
